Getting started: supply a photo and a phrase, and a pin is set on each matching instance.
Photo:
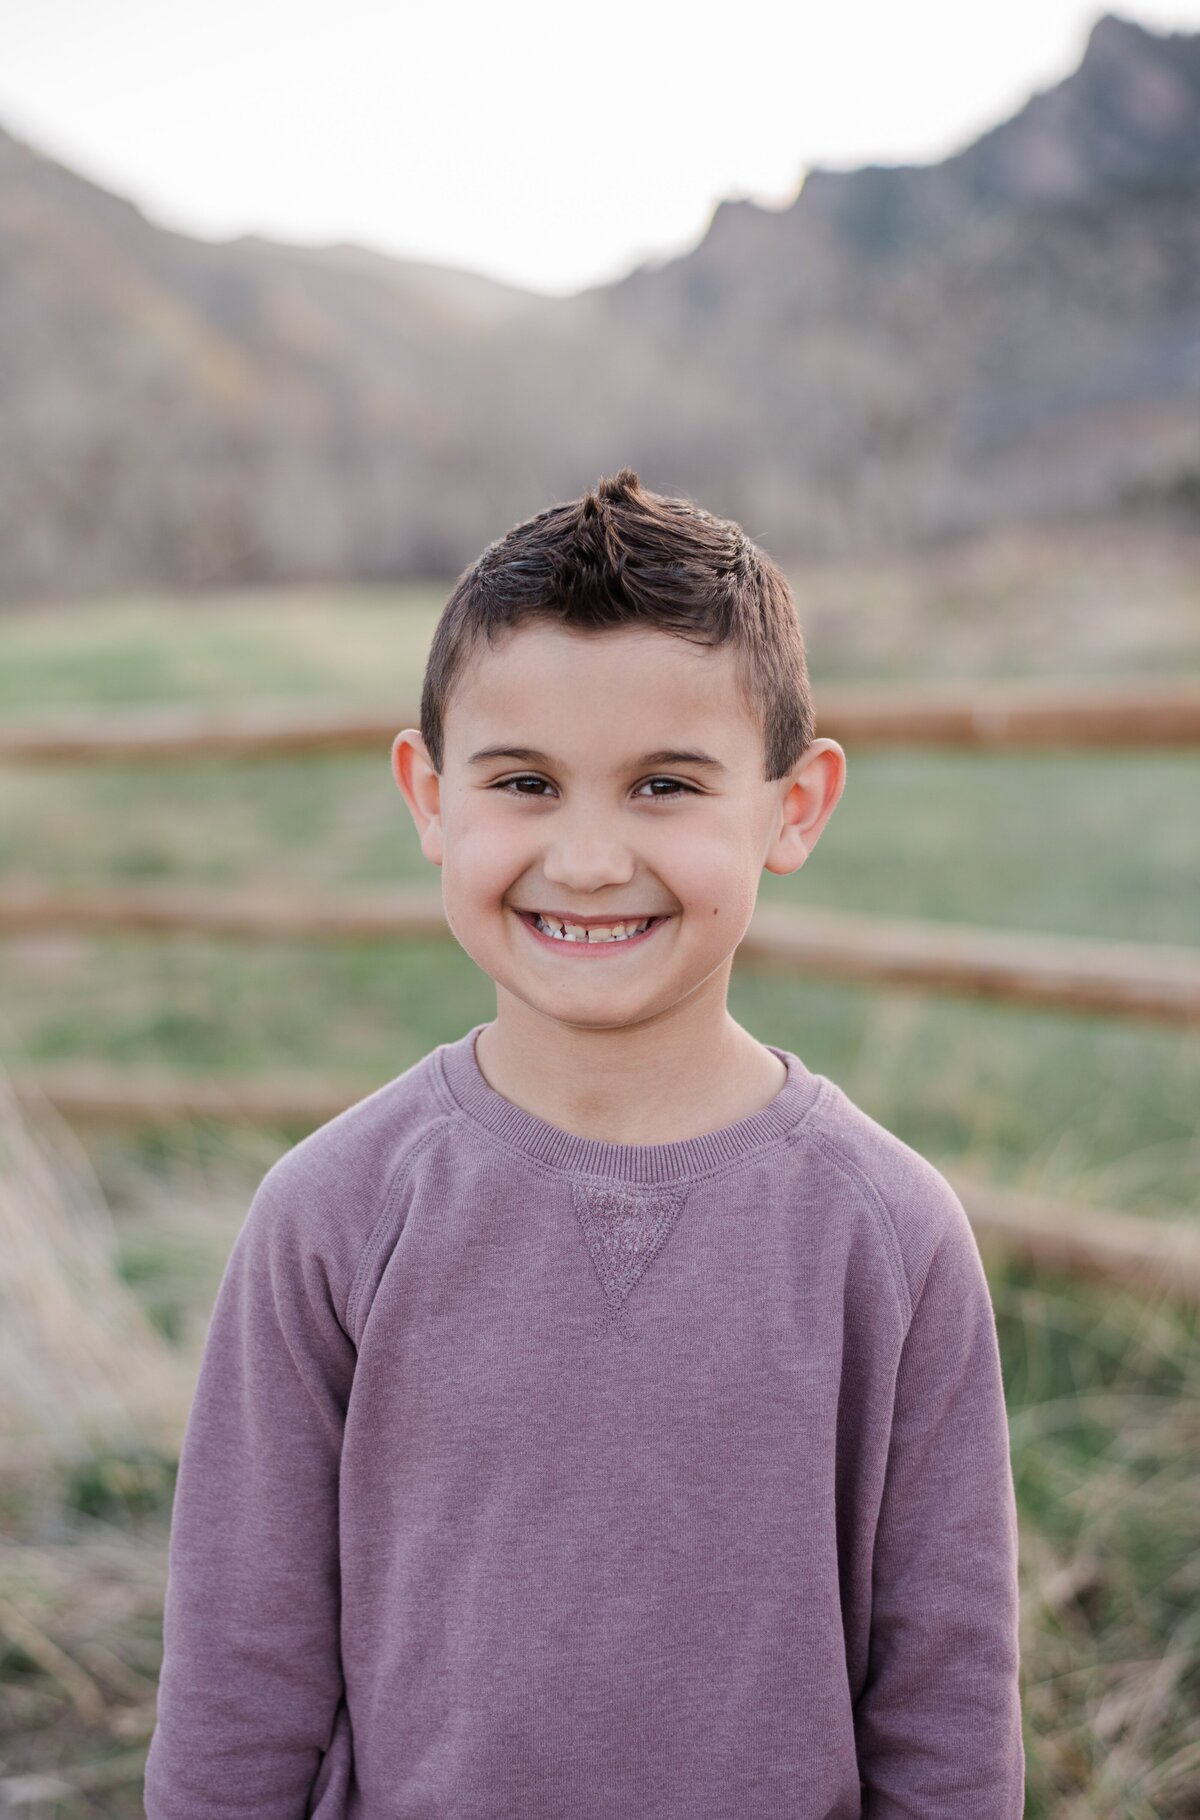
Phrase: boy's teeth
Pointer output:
(578, 932)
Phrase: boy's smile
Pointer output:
(602, 799)
(591, 936)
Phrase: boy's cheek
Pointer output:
(482, 864)
(723, 874)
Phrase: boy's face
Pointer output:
(567, 791)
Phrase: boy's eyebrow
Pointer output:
(528, 755)
(682, 758)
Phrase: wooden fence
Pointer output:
(1062, 973)
(1122, 979)
(992, 715)
(1157, 1257)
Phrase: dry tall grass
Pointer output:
(92, 1395)
(1105, 1433)
(82, 1367)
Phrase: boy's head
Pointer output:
(616, 726)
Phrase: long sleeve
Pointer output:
(251, 1678)
(938, 1724)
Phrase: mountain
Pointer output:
(910, 351)
(906, 354)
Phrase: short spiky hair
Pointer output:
(621, 556)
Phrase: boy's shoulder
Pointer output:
(324, 1198)
(901, 1194)
(374, 1134)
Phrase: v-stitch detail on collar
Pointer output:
(624, 1227)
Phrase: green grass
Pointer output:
(1099, 845)
(1103, 1388)
(216, 649)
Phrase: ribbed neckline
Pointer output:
(625, 1162)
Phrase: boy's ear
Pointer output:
(809, 795)
(413, 770)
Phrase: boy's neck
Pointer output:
(658, 1082)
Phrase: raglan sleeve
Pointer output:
(251, 1674)
(938, 1722)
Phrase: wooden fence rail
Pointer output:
(1030, 712)
(1121, 979)
(1153, 1255)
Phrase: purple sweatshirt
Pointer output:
(531, 1477)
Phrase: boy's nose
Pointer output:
(586, 861)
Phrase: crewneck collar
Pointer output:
(648, 1163)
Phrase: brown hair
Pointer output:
(621, 556)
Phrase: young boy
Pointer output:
(603, 1420)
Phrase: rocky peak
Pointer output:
(1128, 117)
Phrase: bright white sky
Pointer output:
(553, 145)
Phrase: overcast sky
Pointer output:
(550, 145)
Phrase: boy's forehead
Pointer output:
(625, 683)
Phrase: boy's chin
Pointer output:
(576, 1010)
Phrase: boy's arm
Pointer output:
(938, 1724)
(251, 1675)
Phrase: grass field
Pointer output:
(1103, 1388)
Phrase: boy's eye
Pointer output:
(674, 786)
(510, 783)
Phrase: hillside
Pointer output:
(906, 354)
